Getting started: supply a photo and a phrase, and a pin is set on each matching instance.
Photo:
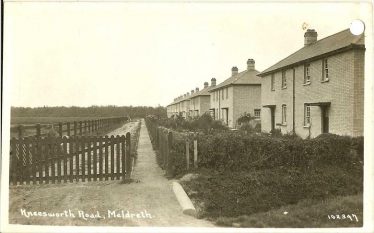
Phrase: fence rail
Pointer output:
(73, 128)
(66, 159)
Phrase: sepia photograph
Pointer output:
(187, 116)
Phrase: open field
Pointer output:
(47, 120)
(29, 124)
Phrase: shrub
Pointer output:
(245, 118)
(232, 194)
(227, 150)
(203, 123)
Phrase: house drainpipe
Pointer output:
(293, 101)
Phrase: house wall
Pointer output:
(359, 87)
(204, 104)
(245, 99)
(344, 90)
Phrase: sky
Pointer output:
(127, 53)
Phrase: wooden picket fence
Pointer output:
(43, 160)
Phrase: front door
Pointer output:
(272, 112)
(325, 119)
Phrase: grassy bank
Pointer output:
(340, 211)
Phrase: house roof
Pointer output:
(247, 77)
(202, 92)
(180, 100)
(333, 43)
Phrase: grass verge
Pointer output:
(340, 211)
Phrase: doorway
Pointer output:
(325, 119)
(272, 112)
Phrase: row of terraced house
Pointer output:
(317, 89)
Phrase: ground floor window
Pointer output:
(212, 114)
(306, 115)
(284, 114)
(257, 113)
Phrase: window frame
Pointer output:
(325, 70)
(257, 110)
(272, 78)
(227, 93)
(284, 79)
(307, 77)
(284, 114)
(307, 115)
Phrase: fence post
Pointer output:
(20, 131)
(68, 128)
(128, 156)
(195, 152)
(60, 129)
(169, 159)
(75, 128)
(38, 130)
(188, 153)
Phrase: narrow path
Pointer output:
(154, 192)
(152, 198)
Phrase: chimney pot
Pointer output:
(192, 91)
(213, 82)
(197, 89)
(250, 64)
(206, 84)
(234, 70)
(310, 36)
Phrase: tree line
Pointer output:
(92, 111)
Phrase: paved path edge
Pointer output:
(184, 200)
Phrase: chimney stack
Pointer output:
(213, 82)
(197, 89)
(192, 91)
(310, 37)
(234, 70)
(206, 84)
(250, 64)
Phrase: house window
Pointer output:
(272, 82)
(284, 114)
(306, 73)
(223, 94)
(306, 115)
(325, 70)
(227, 93)
(284, 79)
(257, 113)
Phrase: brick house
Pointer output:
(239, 94)
(200, 100)
(317, 89)
(180, 106)
(171, 109)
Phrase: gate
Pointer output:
(43, 160)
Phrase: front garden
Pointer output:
(243, 174)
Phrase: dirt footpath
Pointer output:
(149, 202)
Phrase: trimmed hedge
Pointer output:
(237, 193)
(238, 150)
(235, 151)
